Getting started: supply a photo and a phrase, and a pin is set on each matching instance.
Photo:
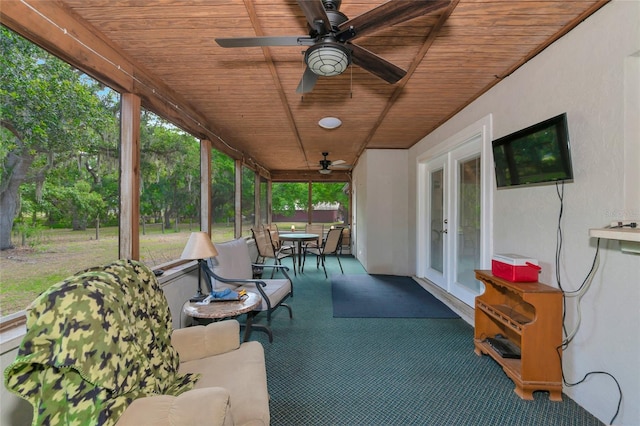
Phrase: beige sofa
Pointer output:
(100, 350)
(232, 389)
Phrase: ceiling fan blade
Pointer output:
(337, 162)
(265, 41)
(375, 64)
(341, 167)
(316, 15)
(307, 82)
(387, 14)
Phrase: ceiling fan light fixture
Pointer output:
(324, 171)
(328, 58)
(330, 123)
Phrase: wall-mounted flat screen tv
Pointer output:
(539, 154)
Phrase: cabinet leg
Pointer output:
(524, 394)
(527, 393)
(555, 395)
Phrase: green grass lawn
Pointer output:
(58, 253)
(25, 272)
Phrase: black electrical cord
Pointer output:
(560, 192)
(565, 343)
(563, 346)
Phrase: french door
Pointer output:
(453, 224)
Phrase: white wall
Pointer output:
(381, 185)
(587, 75)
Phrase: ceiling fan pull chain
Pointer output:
(302, 67)
(351, 83)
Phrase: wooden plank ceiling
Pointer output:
(247, 96)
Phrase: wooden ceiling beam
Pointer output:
(309, 176)
(52, 27)
(253, 16)
(412, 68)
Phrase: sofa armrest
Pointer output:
(208, 406)
(201, 341)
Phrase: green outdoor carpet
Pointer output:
(328, 371)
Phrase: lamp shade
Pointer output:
(328, 59)
(199, 246)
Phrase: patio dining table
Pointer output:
(298, 239)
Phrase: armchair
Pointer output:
(232, 268)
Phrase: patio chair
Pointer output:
(314, 228)
(346, 239)
(266, 248)
(331, 245)
(232, 268)
(277, 242)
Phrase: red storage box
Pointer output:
(514, 267)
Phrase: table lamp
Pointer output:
(199, 247)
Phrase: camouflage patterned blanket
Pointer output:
(95, 342)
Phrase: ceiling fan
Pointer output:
(330, 35)
(326, 165)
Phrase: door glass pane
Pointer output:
(468, 247)
(437, 220)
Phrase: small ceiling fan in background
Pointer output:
(326, 166)
(330, 35)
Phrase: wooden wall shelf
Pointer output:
(622, 234)
(530, 316)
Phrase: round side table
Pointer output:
(222, 309)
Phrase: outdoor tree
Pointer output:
(289, 197)
(222, 186)
(48, 112)
(286, 198)
(248, 195)
(78, 202)
(170, 171)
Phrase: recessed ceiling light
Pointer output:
(330, 123)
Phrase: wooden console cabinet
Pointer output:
(529, 314)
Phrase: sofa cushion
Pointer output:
(243, 374)
(94, 343)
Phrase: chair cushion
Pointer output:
(233, 260)
(276, 290)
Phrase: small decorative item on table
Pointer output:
(225, 295)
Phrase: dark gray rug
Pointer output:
(384, 296)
